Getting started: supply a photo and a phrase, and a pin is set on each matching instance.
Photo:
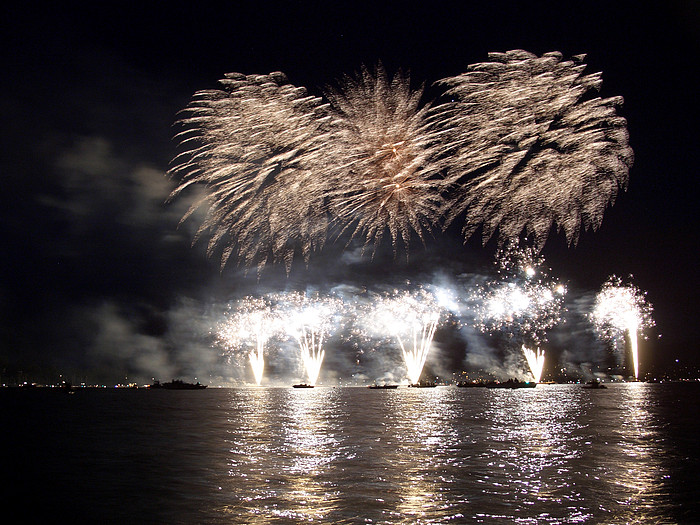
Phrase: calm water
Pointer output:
(555, 454)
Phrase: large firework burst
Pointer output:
(257, 146)
(385, 159)
(531, 148)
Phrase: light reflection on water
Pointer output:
(553, 454)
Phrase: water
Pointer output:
(554, 454)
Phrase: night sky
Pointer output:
(98, 277)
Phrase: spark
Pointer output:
(621, 308)
(257, 146)
(531, 148)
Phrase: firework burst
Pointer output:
(257, 146)
(523, 301)
(621, 309)
(531, 148)
(386, 159)
(249, 326)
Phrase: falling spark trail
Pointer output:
(257, 146)
(386, 157)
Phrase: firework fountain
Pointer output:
(412, 319)
(621, 308)
(523, 301)
(535, 360)
(310, 319)
(251, 323)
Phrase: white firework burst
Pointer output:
(531, 148)
(257, 146)
(620, 309)
(386, 160)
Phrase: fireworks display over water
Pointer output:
(235, 155)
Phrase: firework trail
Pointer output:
(251, 323)
(530, 147)
(412, 319)
(622, 308)
(523, 301)
(310, 319)
(257, 146)
(386, 159)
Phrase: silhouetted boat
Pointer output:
(302, 385)
(471, 384)
(594, 384)
(511, 383)
(387, 387)
(423, 384)
(177, 384)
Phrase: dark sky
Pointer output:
(96, 274)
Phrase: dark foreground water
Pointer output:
(555, 454)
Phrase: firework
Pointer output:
(523, 301)
(385, 159)
(535, 360)
(310, 319)
(412, 319)
(256, 145)
(622, 308)
(530, 147)
(248, 325)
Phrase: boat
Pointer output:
(471, 384)
(387, 387)
(177, 384)
(511, 383)
(302, 385)
(594, 383)
(423, 384)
